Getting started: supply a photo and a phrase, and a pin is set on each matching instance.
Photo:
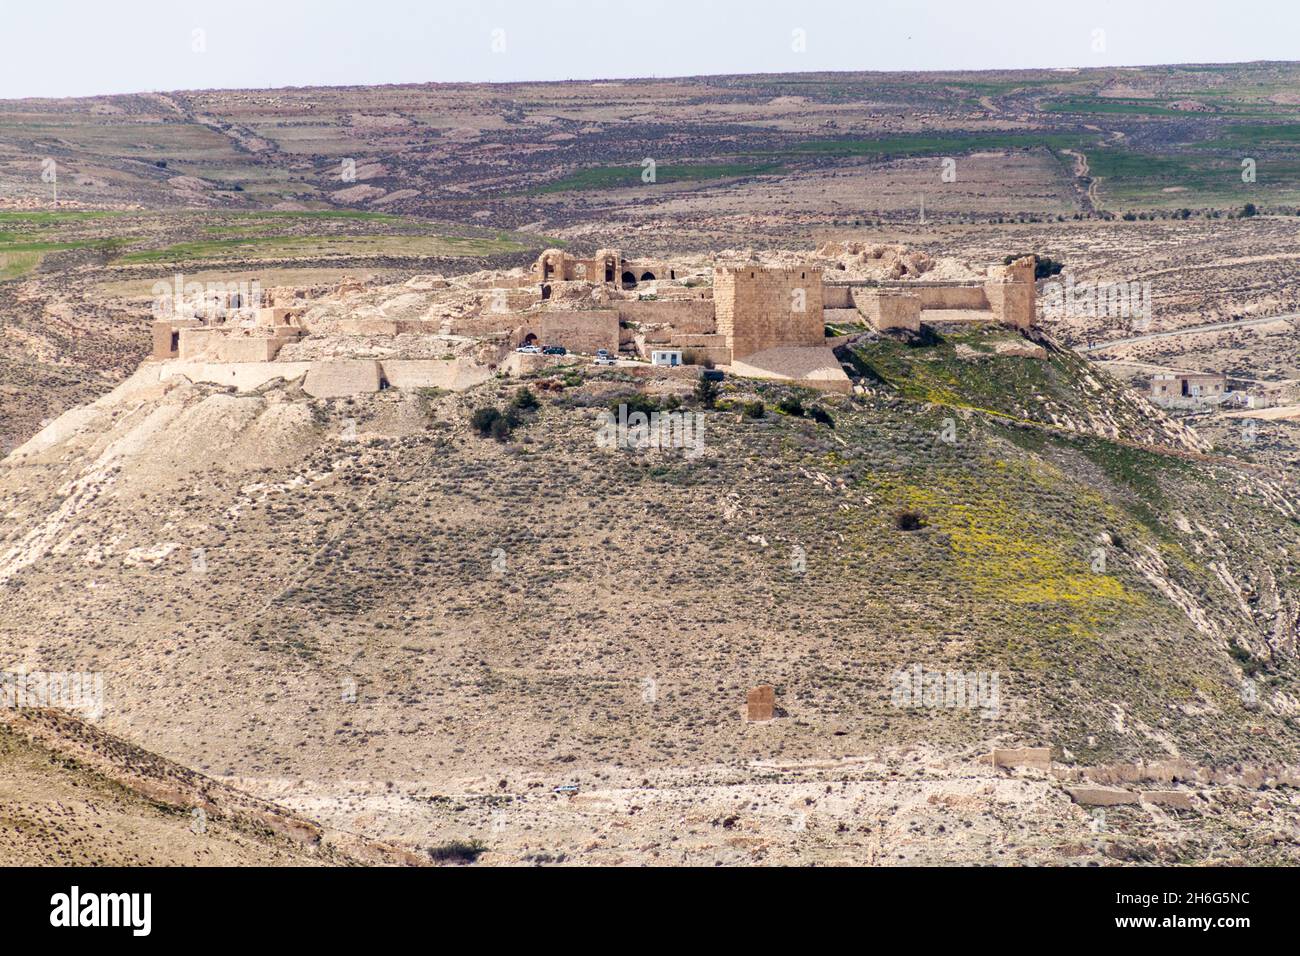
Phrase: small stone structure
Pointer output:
(167, 337)
(1189, 389)
(1007, 296)
(760, 705)
(1037, 758)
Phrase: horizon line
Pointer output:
(653, 78)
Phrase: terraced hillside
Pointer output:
(361, 595)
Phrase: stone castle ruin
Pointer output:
(759, 319)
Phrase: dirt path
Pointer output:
(1189, 330)
(1084, 182)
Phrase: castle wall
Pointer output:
(951, 297)
(690, 316)
(479, 325)
(584, 331)
(813, 366)
(451, 374)
(889, 309)
(837, 297)
(341, 378)
(334, 379)
(761, 308)
(243, 376)
(377, 326)
(219, 345)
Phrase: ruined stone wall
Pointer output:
(951, 297)
(452, 374)
(378, 326)
(497, 301)
(479, 325)
(837, 296)
(166, 336)
(243, 376)
(688, 316)
(224, 345)
(342, 378)
(760, 308)
(579, 331)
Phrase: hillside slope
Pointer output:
(364, 593)
(73, 795)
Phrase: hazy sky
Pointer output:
(64, 48)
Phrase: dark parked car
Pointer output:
(555, 350)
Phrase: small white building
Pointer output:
(669, 357)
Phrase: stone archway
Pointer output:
(546, 292)
(629, 280)
(647, 277)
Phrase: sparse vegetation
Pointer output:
(706, 392)
(457, 851)
(490, 421)
(909, 521)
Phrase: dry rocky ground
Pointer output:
(362, 610)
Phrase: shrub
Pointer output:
(909, 521)
(489, 421)
(753, 410)
(706, 392)
(482, 420)
(457, 851)
(790, 406)
(821, 416)
(1249, 665)
(525, 399)
(636, 402)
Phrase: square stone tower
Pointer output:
(759, 307)
(1012, 291)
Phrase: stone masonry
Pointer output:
(761, 308)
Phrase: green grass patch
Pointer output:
(618, 177)
(54, 217)
(938, 145)
(245, 248)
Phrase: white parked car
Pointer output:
(529, 350)
(604, 358)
